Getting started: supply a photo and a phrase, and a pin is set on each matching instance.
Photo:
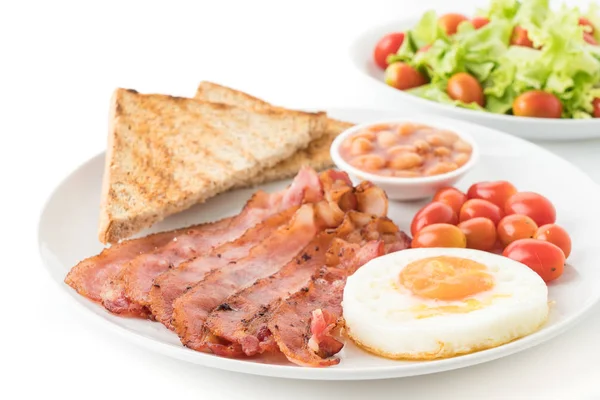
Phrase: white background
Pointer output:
(59, 63)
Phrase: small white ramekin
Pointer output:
(400, 188)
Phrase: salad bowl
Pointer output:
(531, 128)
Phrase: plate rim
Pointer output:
(101, 316)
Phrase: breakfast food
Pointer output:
(405, 150)
(304, 326)
(213, 284)
(515, 57)
(242, 326)
(316, 155)
(297, 270)
(166, 154)
(493, 216)
(425, 304)
(106, 277)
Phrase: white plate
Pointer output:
(67, 234)
(361, 55)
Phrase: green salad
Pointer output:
(515, 57)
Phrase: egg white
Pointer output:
(387, 319)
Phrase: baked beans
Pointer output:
(405, 150)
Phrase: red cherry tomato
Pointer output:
(451, 196)
(389, 44)
(465, 88)
(586, 22)
(496, 192)
(534, 205)
(520, 37)
(498, 247)
(402, 76)
(588, 37)
(450, 22)
(556, 235)
(474, 208)
(433, 213)
(545, 258)
(439, 235)
(480, 22)
(514, 227)
(596, 104)
(538, 104)
(480, 233)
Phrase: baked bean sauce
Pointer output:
(405, 150)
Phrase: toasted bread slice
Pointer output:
(316, 155)
(166, 154)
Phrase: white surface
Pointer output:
(60, 63)
(361, 51)
(69, 223)
(415, 188)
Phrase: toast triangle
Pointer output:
(166, 154)
(316, 155)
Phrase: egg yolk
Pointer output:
(446, 278)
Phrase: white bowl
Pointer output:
(361, 55)
(398, 188)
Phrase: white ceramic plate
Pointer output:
(361, 56)
(67, 234)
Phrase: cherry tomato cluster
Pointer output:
(465, 87)
(495, 217)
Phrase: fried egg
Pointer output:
(428, 303)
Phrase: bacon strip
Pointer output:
(242, 327)
(90, 275)
(303, 326)
(191, 309)
(173, 283)
(339, 196)
(129, 293)
(237, 327)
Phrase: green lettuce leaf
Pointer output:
(473, 51)
(425, 32)
(532, 13)
(501, 9)
(437, 92)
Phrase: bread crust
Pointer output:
(166, 154)
(316, 155)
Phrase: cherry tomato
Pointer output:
(514, 227)
(556, 235)
(588, 37)
(496, 192)
(465, 88)
(586, 22)
(450, 22)
(520, 37)
(537, 103)
(545, 258)
(480, 233)
(534, 205)
(402, 76)
(439, 235)
(389, 44)
(474, 208)
(433, 213)
(498, 247)
(480, 22)
(596, 104)
(451, 196)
